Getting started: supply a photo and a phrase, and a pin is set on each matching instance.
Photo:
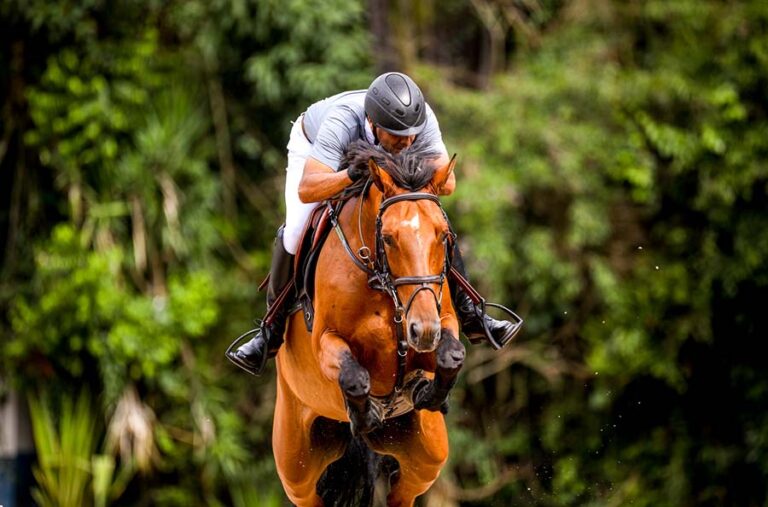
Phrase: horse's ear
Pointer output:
(442, 174)
(381, 178)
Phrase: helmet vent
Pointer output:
(417, 107)
(399, 112)
(386, 101)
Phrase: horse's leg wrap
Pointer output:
(355, 383)
(450, 358)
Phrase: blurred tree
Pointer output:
(620, 173)
(612, 180)
(143, 143)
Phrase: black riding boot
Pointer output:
(473, 321)
(252, 356)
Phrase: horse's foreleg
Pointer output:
(338, 364)
(419, 443)
(450, 359)
(302, 449)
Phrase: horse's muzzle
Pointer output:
(424, 336)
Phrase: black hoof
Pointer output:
(428, 398)
(365, 422)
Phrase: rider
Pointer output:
(391, 113)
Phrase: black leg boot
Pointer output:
(252, 356)
(475, 324)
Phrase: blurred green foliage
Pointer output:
(68, 470)
(620, 165)
(612, 180)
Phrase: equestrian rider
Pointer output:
(391, 113)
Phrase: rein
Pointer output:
(380, 276)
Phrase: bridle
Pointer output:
(380, 275)
(383, 275)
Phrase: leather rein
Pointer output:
(380, 276)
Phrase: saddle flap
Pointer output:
(315, 233)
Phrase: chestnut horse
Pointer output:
(384, 350)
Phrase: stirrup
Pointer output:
(240, 340)
(517, 324)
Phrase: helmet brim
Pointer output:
(412, 131)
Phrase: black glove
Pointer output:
(357, 171)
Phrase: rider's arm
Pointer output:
(320, 182)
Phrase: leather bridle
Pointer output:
(380, 275)
(383, 274)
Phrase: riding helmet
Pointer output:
(395, 103)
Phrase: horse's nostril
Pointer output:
(415, 330)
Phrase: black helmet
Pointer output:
(395, 103)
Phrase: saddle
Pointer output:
(311, 243)
(302, 285)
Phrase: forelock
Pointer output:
(411, 169)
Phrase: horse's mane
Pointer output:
(411, 169)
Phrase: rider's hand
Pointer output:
(356, 172)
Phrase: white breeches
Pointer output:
(297, 213)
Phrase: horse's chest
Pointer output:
(376, 351)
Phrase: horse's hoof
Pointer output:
(355, 381)
(366, 422)
(450, 354)
(366, 425)
(427, 398)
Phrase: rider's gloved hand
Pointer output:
(356, 172)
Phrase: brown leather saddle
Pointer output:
(302, 285)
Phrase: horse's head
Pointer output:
(413, 242)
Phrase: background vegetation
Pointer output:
(612, 165)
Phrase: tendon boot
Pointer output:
(252, 356)
(475, 323)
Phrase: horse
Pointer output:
(372, 377)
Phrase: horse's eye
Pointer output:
(388, 240)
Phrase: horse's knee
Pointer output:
(434, 447)
(450, 353)
(416, 477)
(298, 479)
(292, 468)
(302, 494)
(433, 453)
(355, 381)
